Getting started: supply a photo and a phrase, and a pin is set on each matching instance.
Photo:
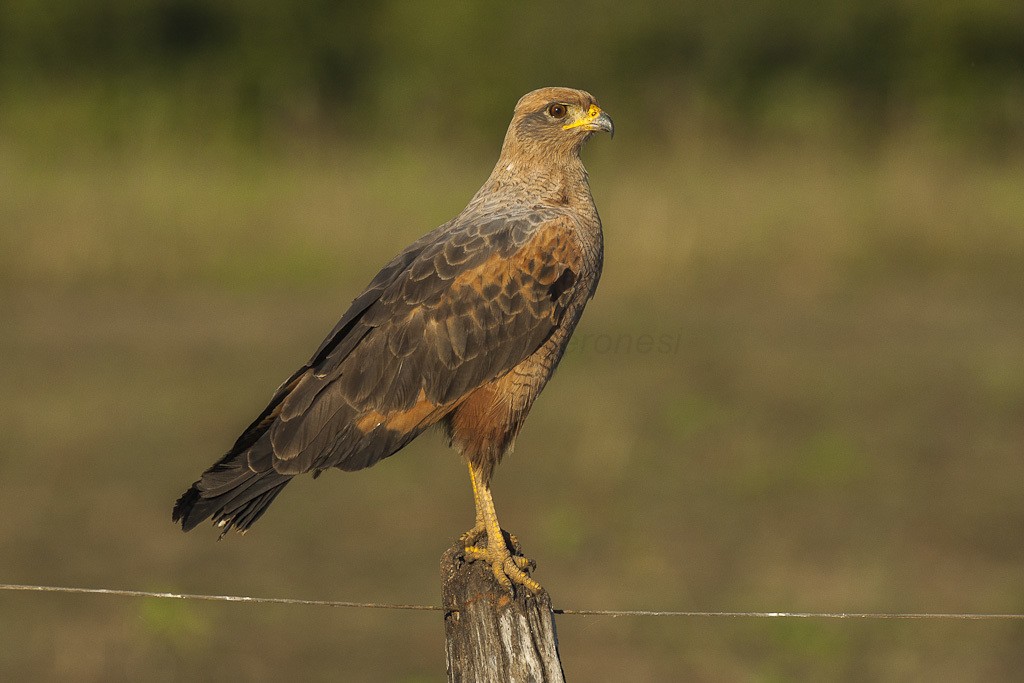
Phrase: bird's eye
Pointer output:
(557, 111)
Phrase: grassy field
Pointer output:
(829, 415)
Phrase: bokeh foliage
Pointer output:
(274, 67)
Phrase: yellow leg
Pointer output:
(507, 568)
(470, 537)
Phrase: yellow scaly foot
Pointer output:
(501, 551)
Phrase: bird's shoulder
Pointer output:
(479, 242)
(486, 253)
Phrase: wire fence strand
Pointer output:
(222, 598)
(793, 615)
(568, 612)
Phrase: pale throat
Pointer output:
(560, 179)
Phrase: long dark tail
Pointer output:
(237, 490)
(230, 493)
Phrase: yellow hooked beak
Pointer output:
(594, 120)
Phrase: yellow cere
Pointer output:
(592, 114)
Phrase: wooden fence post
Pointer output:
(492, 636)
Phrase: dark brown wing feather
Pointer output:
(454, 310)
(471, 305)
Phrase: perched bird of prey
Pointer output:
(462, 329)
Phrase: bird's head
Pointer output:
(551, 121)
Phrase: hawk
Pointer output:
(462, 329)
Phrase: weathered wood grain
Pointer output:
(492, 635)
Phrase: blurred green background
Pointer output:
(815, 212)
